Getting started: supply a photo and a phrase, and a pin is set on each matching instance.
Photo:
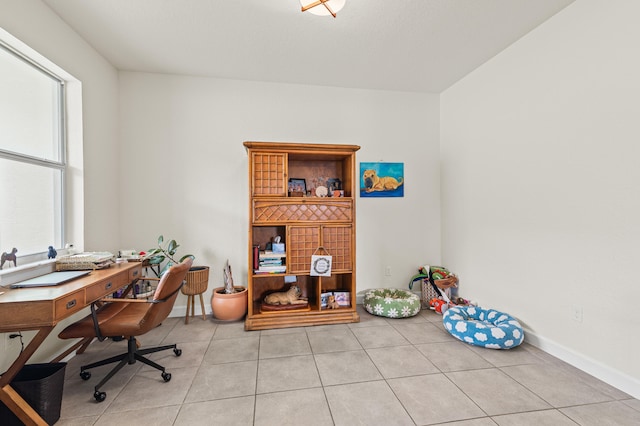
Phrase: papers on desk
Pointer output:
(85, 261)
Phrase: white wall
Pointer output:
(185, 170)
(540, 180)
(33, 23)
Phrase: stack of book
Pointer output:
(270, 262)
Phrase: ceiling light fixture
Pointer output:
(323, 7)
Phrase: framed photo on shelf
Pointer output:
(343, 298)
(297, 187)
(335, 188)
(333, 184)
(324, 299)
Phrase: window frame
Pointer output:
(61, 164)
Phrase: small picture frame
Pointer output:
(324, 299)
(297, 187)
(334, 185)
(320, 265)
(343, 298)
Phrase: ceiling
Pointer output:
(404, 45)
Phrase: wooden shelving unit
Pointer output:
(305, 224)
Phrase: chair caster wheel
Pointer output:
(177, 351)
(100, 396)
(85, 375)
(166, 376)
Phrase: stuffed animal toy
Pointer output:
(289, 297)
(442, 276)
(439, 305)
(331, 302)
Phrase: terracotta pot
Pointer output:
(229, 307)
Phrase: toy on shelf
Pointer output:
(331, 302)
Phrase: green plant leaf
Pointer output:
(173, 247)
(161, 253)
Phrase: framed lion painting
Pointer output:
(381, 180)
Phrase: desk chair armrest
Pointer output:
(127, 300)
(122, 300)
(94, 317)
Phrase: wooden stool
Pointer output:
(197, 282)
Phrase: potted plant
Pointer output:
(229, 303)
(197, 278)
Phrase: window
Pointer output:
(32, 155)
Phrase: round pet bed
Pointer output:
(391, 303)
(483, 327)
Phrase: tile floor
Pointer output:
(376, 372)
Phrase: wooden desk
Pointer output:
(41, 308)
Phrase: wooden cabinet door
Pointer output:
(337, 241)
(269, 174)
(302, 242)
(305, 240)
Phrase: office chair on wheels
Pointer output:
(130, 318)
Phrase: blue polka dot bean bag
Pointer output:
(483, 327)
(391, 303)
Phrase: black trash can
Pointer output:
(41, 386)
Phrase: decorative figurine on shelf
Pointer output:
(11, 257)
(289, 297)
(331, 302)
(52, 253)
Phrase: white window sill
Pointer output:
(10, 274)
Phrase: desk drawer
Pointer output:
(69, 304)
(135, 273)
(105, 287)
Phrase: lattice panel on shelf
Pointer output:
(337, 241)
(269, 173)
(274, 212)
(303, 241)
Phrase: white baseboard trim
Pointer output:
(181, 311)
(613, 377)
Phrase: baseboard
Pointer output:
(181, 311)
(613, 377)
